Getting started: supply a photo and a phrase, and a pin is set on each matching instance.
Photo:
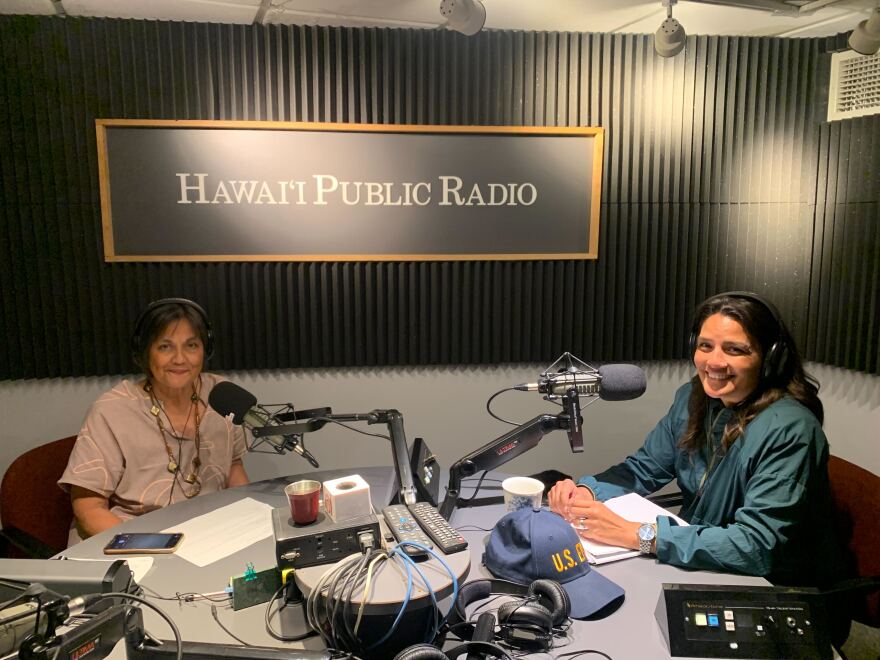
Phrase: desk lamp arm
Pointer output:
(498, 452)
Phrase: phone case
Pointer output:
(133, 550)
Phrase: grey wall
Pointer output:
(446, 406)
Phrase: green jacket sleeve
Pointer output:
(652, 466)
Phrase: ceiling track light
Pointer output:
(865, 39)
(465, 16)
(670, 37)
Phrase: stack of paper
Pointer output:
(224, 531)
(634, 508)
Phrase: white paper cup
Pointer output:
(521, 492)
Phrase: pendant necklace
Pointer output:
(155, 410)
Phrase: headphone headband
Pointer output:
(754, 297)
(549, 593)
(137, 338)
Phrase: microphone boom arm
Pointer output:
(393, 419)
(510, 445)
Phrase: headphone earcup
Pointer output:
(775, 361)
(469, 593)
(520, 613)
(421, 652)
(692, 345)
(554, 598)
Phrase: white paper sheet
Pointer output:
(634, 508)
(223, 532)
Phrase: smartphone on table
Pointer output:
(138, 543)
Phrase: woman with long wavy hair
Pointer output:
(744, 442)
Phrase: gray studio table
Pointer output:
(630, 632)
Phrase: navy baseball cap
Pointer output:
(528, 545)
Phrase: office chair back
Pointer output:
(35, 513)
(856, 494)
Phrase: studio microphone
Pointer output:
(611, 382)
(228, 398)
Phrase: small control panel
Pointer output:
(717, 621)
(741, 622)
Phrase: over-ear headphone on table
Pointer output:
(143, 322)
(530, 622)
(776, 357)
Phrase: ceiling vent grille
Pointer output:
(855, 85)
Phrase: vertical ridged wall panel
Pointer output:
(719, 173)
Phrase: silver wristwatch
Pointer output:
(647, 533)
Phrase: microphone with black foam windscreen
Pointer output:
(230, 399)
(610, 382)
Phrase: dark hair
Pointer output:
(155, 319)
(761, 323)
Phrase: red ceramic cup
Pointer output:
(303, 499)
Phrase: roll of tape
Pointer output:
(346, 498)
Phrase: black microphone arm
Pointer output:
(512, 444)
(96, 637)
(307, 421)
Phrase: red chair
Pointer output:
(856, 494)
(36, 514)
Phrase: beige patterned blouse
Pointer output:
(119, 452)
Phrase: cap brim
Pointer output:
(590, 593)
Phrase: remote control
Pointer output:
(447, 538)
(405, 528)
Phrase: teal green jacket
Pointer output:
(765, 508)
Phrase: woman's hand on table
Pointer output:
(596, 522)
(593, 520)
(565, 493)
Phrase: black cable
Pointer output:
(334, 602)
(328, 604)
(573, 654)
(225, 629)
(187, 596)
(473, 528)
(489, 404)
(271, 630)
(350, 583)
(143, 601)
(465, 502)
(351, 428)
(339, 654)
(347, 615)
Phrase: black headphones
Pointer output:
(137, 339)
(776, 357)
(529, 622)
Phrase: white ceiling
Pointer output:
(634, 16)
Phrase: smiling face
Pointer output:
(728, 361)
(176, 357)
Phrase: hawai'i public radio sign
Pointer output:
(272, 191)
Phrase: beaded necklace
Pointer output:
(156, 408)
